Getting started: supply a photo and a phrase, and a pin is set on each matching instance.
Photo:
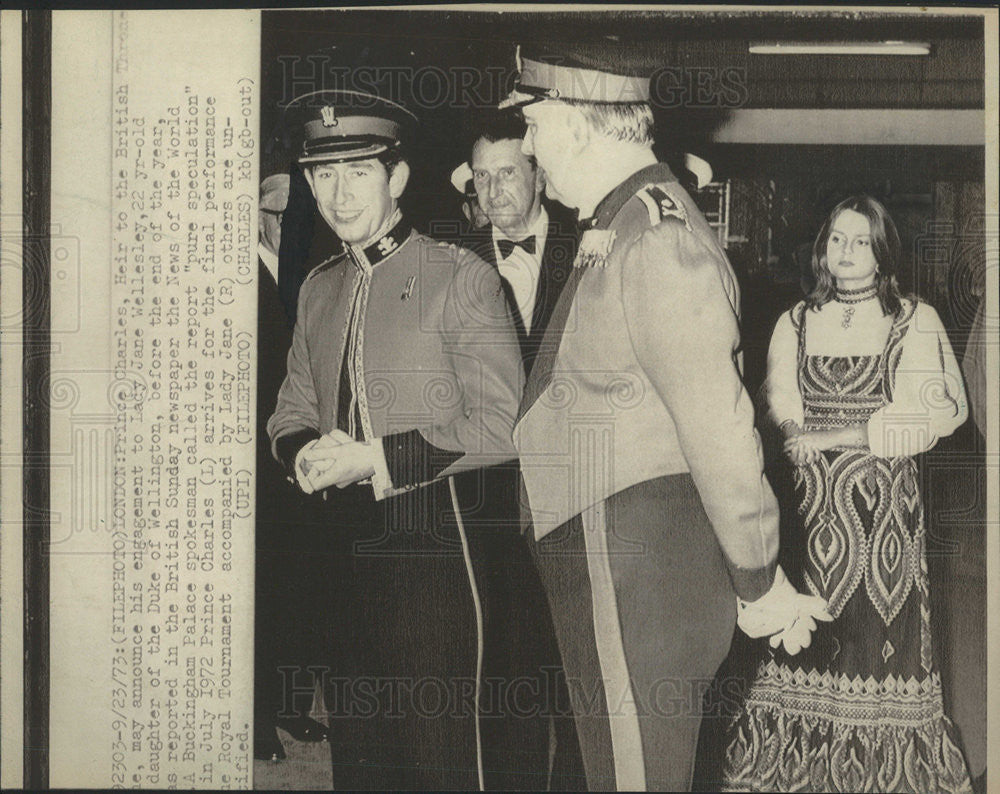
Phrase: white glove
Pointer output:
(785, 615)
(799, 634)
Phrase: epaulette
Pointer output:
(439, 256)
(326, 264)
(662, 205)
(431, 242)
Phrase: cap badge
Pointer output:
(595, 247)
(329, 116)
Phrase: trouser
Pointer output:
(402, 687)
(644, 613)
(528, 736)
(293, 572)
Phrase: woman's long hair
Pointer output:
(885, 247)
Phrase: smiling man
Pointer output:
(403, 373)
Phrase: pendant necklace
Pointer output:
(851, 297)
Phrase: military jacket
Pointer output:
(639, 377)
(434, 359)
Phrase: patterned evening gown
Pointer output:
(861, 708)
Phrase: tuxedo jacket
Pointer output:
(556, 264)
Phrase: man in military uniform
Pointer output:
(641, 465)
(404, 371)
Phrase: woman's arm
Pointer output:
(783, 396)
(850, 436)
(928, 400)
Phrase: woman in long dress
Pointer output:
(860, 380)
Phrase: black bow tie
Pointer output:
(507, 246)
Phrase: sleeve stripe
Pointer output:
(286, 448)
(412, 459)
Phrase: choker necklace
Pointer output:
(852, 296)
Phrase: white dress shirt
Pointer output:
(521, 269)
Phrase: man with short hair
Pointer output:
(532, 250)
(640, 461)
(403, 372)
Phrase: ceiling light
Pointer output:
(840, 48)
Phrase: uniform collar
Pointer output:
(386, 243)
(610, 205)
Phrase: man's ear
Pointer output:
(308, 172)
(397, 181)
(539, 180)
(577, 127)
